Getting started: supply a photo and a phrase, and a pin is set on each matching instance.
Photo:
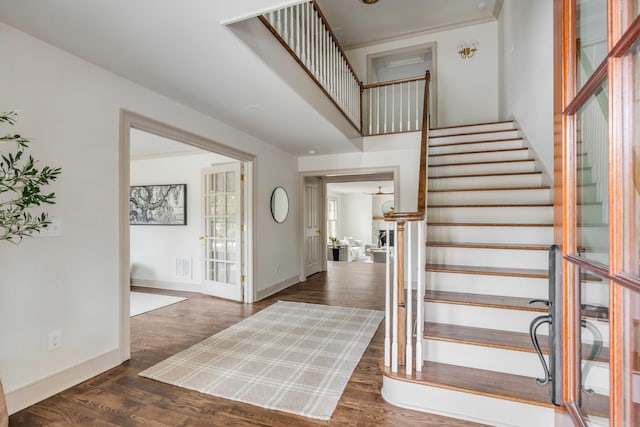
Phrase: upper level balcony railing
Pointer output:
(373, 109)
(304, 31)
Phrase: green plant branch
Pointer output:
(21, 185)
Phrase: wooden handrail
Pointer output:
(392, 82)
(422, 184)
(335, 39)
(401, 220)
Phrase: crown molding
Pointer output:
(424, 31)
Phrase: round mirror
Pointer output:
(279, 205)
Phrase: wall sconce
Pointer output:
(467, 50)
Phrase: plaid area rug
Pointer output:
(292, 357)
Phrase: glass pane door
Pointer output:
(222, 255)
(593, 351)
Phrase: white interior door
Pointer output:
(312, 224)
(222, 258)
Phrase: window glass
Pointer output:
(592, 172)
(591, 33)
(594, 347)
(631, 158)
(632, 353)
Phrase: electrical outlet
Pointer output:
(55, 339)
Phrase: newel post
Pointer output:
(402, 315)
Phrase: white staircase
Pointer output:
(489, 227)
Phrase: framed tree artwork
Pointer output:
(158, 204)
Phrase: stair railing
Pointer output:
(303, 30)
(392, 107)
(399, 348)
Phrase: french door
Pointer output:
(598, 206)
(223, 240)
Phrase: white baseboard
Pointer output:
(273, 289)
(30, 394)
(174, 286)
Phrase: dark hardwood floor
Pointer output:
(119, 397)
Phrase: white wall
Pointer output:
(355, 217)
(71, 109)
(154, 249)
(526, 72)
(406, 159)
(467, 89)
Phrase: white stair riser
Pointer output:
(465, 137)
(488, 234)
(524, 287)
(513, 362)
(520, 154)
(471, 129)
(467, 406)
(500, 181)
(482, 317)
(478, 146)
(491, 196)
(498, 214)
(482, 168)
(477, 257)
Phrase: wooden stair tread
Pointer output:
(478, 224)
(454, 190)
(482, 163)
(494, 338)
(484, 141)
(483, 300)
(481, 132)
(472, 124)
(496, 205)
(481, 336)
(499, 385)
(477, 152)
(486, 174)
(488, 246)
(489, 271)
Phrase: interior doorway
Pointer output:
(329, 210)
(190, 228)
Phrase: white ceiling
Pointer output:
(358, 24)
(183, 50)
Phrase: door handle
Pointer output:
(535, 324)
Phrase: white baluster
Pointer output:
(307, 19)
(370, 92)
(400, 103)
(285, 32)
(417, 105)
(394, 342)
(303, 25)
(272, 19)
(387, 305)
(378, 109)
(292, 26)
(393, 108)
(408, 106)
(420, 298)
(409, 301)
(386, 102)
(298, 25)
